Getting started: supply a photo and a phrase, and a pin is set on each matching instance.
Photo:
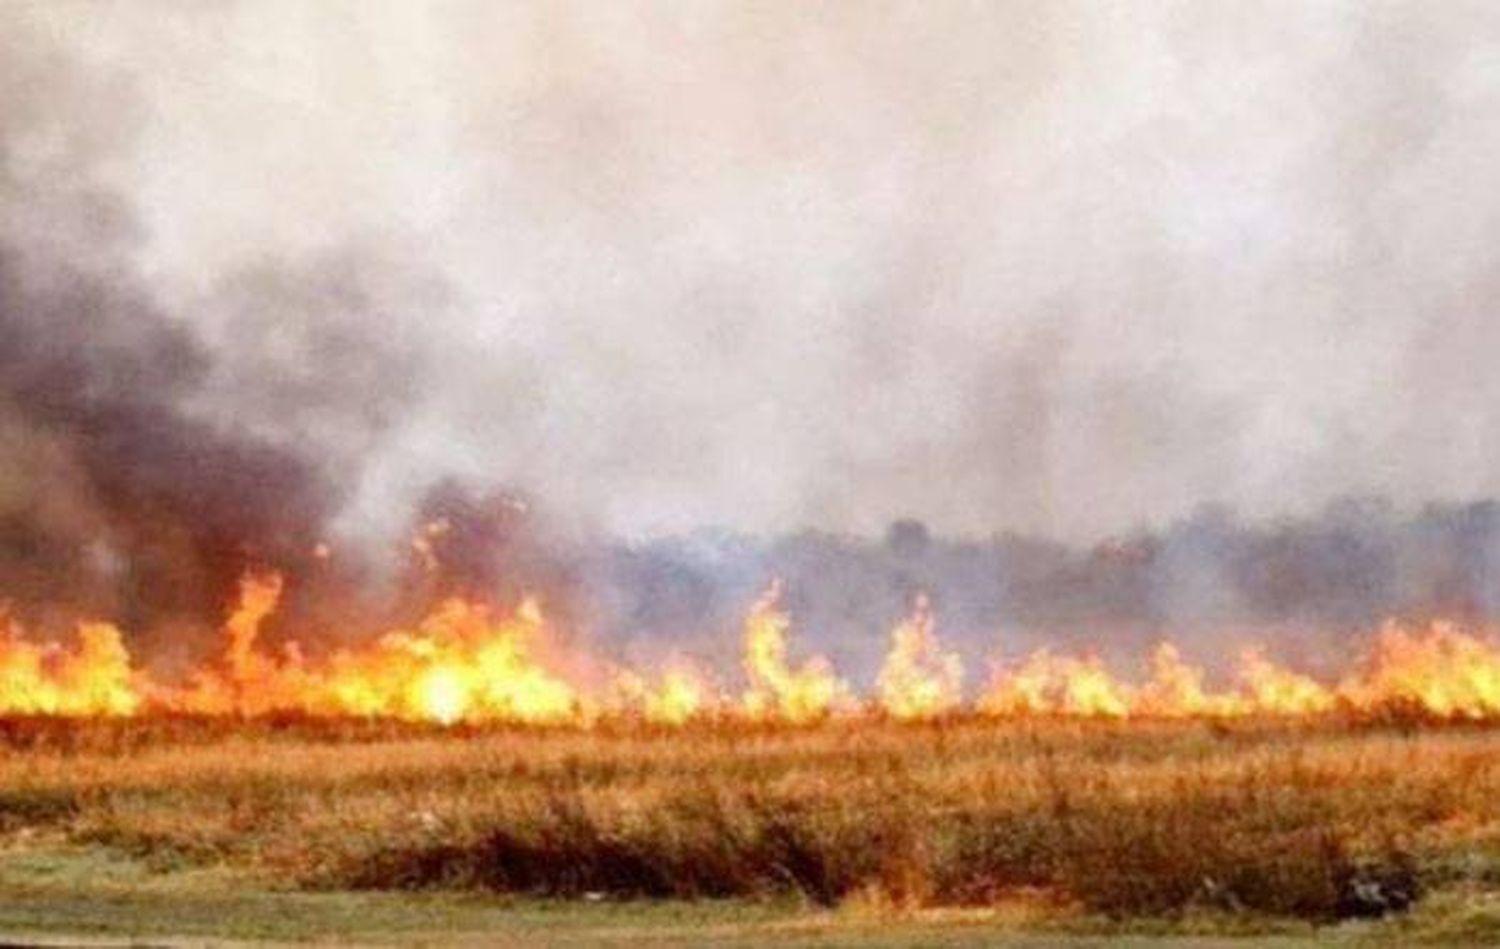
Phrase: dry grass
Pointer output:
(1315, 821)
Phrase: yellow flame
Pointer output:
(918, 679)
(1445, 672)
(777, 690)
(1057, 685)
(1271, 690)
(93, 678)
(464, 662)
(459, 663)
(442, 694)
(681, 695)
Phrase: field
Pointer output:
(844, 832)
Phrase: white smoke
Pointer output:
(1060, 267)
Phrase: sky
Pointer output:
(1062, 268)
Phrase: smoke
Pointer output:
(141, 475)
(273, 275)
(1307, 589)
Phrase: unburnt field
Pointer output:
(1093, 825)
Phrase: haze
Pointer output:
(1063, 268)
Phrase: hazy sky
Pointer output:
(1059, 267)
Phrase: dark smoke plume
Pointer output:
(120, 494)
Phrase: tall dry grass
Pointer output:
(1318, 821)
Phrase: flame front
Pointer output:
(777, 690)
(1446, 672)
(681, 695)
(93, 678)
(460, 663)
(918, 679)
(466, 663)
(1057, 685)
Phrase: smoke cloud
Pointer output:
(273, 274)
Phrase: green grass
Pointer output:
(69, 893)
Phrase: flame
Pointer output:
(93, 678)
(468, 663)
(249, 682)
(777, 690)
(918, 679)
(1445, 672)
(441, 695)
(1056, 685)
(1062, 685)
(259, 597)
(460, 663)
(1176, 689)
(1272, 690)
(681, 695)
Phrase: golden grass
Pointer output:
(1311, 820)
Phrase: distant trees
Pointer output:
(1350, 566)
(907, 538)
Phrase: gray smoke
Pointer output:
(141, 474)
(1067, 269)
(1309, 589)
(1060, 269)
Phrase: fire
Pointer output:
(1176, 688)
(466, 662)
(460, 663)
(259, 597)
(249, 681)
(918, 679)
(1445, 672)
(776, 689)
(93, 678)
(1273, 690)
(441, 695)
(1056, 685)
(681, 695)
(1061, 685)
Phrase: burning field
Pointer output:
(465, 663)
(474, 753)
(895, 473)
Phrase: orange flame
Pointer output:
(1175, 689)
(681, 694)
(1056, 685)
(94, 678)
(918, 679)
(466, 663)
(459, 664)
(776, 689)
(1445, 672)
(1270, 689)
